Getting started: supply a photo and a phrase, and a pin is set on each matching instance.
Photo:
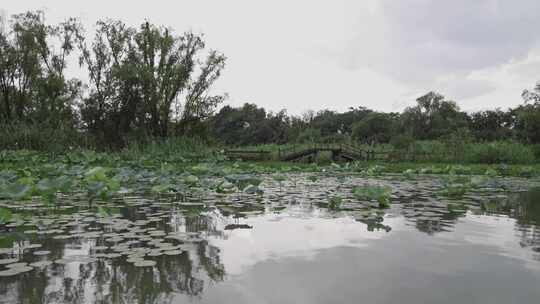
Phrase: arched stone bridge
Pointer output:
(345, 152)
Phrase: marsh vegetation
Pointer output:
(154, 230)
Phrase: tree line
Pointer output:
(148, 82)
(432, 118)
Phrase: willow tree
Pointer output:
(107, 111)
(33, 60)
(137, 76)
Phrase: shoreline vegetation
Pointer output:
(149, 93)
(184, 160)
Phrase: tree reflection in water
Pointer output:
(189, 274)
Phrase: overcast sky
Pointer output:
(382, 54)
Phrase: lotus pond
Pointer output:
(76, 232)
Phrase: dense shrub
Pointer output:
(432, 150)
(499, 152)
(468, 152)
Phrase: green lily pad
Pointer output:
(145, 263)
(8, 261)
(41, 264)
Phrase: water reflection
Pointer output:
(231, 235)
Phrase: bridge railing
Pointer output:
(342, 147)
(282, 152)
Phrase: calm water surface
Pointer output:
(287, 247)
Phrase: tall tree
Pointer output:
(433, 117)
(528, 116)
(33, 60)
(139, 76)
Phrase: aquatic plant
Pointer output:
(381, 194)
(455, 186)
(5, 215)
(243, 180)
(280, 179)
(252, 189)
(335, 202)
(225, 187)
(313, 178)
(409, 173)
(526, 172)
(191, 180)
(458, 169)
(48, 188)
(375, 170)
(16, 191)
(490, 172)
(98, 184)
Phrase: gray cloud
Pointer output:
(425, 39)
(462, 88)
(382, 54)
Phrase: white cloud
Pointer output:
(336, 54)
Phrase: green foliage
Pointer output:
(5, 215)
(492, 125)
(375, 128)
(309, 135)
(499, 152)
(16, 191)
(456, 186)
(409, 173)
(279, 178)
(491, 172)
(133, 92)
(33, 60)
(526, 172)
(402, 141)
(335, 202)
(49, 187)
(381, 194)
(433, 117)
(225, 187)
(191, 180)
(42, 137)
(374, 170)
(99, 185)
(171, 150)
(313, 178)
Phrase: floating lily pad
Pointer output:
(145, 263)
(9, 273)
(135, 259)
(41, 264)
(15, 265)
(8, 261)
(173, 252)
(6, 250)
(64, 261)
(113, 255)
(100, 248)
(32, 246)
(15, 271)
(62, 237)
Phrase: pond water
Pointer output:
(284, 246)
